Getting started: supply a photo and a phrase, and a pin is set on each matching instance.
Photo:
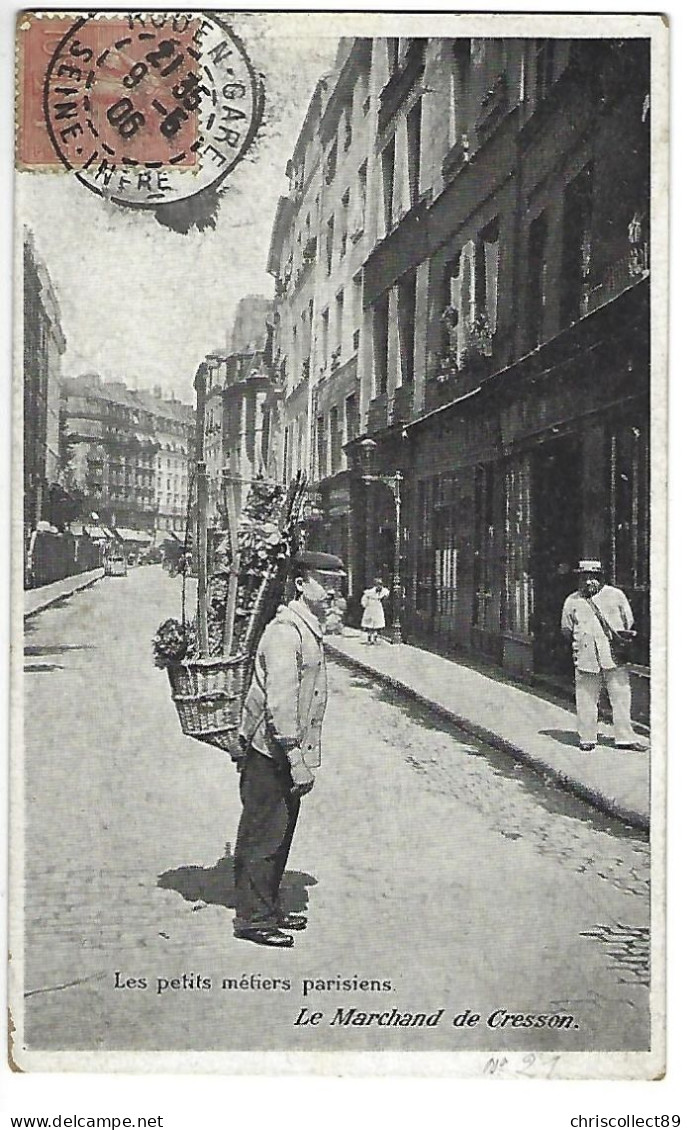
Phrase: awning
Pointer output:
(96, 533)
(139, 537)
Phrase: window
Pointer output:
(576, 246)
(537, 280)
(329, 245)
(325, 338)
(393, 46)
(345, 203)
(361, 203)
(338, 336)
(544, 67)
(406, 326)
(347, 127)
(518, 596)
(356, 309)
(352, 420)
(387, 168)
(331, 163)
(381, 344)
(487, 276)
(334, 440)
(414, 126)
(321, 448)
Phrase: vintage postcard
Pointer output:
(338, 540)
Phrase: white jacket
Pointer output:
(286, 701)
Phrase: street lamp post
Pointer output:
(393, 482)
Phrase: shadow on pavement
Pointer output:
(57, 648)
(216, 885)
(570, 738)
(564, 737)
(548, 793)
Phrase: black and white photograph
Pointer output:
(338, 526)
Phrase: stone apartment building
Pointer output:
(129, 453)
(502, 335)
(235, 389)
(173, 424)
(43, 347)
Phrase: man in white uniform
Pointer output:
(590, 634)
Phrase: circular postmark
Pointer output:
(151, 108)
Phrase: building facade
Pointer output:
(173, 424)
(499, 344)
(43, 346)
(129, 453)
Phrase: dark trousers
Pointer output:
(265, 833)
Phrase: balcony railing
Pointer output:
(617, 278)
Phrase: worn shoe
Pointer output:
(265, 936)
(587, 746)
(640, 747)
(293, 922)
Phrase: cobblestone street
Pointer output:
(424, 860)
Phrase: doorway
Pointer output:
(556, 548)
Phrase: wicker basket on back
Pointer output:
(209, 690)
(208, 696)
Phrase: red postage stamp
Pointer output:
(144, 109)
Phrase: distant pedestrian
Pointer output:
(596, 620)
(373, 619)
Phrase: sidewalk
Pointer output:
(35, 600)
(530, 728)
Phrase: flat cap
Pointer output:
(322, 562)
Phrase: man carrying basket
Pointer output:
(280, 733)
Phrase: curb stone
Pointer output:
(591, 795)
(56, 598)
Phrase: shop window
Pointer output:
(425, 582)
(518, 594)
(629, 523)
(485, 536)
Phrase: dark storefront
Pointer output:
(547, 463)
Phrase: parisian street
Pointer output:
(424, 860)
